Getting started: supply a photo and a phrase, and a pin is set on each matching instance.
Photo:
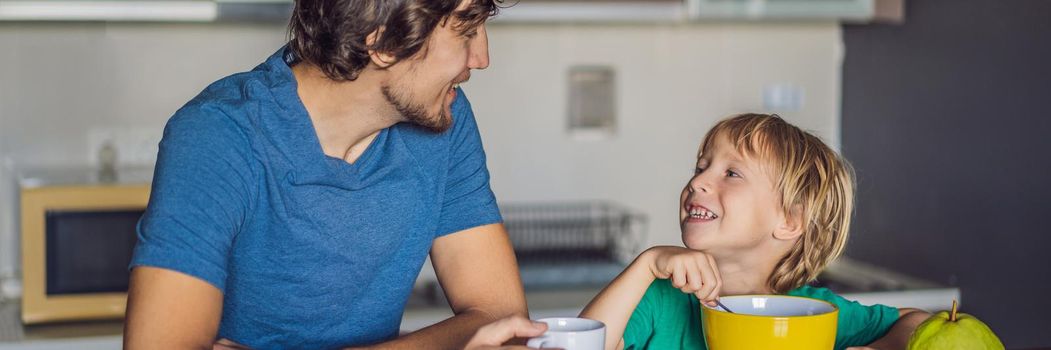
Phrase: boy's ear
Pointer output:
(381, 59)
(792, 224)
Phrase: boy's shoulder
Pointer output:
(858, 324)
(843, 304)
(831, 297)
(814, 292)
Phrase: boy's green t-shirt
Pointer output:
(667, 318)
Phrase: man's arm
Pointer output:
(478, 271)
(898, 335)
(170, 310)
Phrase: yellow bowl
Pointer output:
(770, 322)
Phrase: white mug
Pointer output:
(571, 333)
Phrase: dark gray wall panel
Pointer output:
(947, 119)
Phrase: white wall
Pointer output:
(674, 82)
(61, 83)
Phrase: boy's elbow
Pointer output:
(909, 319)
(910, 311)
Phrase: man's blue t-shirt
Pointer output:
(309, 251)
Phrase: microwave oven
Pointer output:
(77, 235)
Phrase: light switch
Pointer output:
(783, 97)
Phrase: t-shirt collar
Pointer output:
(293, 132)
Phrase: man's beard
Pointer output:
(415, 113)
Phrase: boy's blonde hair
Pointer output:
(811, 179)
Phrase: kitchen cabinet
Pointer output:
(540, 11)
(851, 10)
(523, 11)
(145, 10)
(686, 10)
(118, 10)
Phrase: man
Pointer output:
(294, 205)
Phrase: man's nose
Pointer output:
(479, 50)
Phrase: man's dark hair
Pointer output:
(331, 34)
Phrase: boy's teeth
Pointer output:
(701, 213)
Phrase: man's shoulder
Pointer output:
(266, 87)
(462, 114)
(207, 115)
(215, 120)
(260, 83)
(255, 88)
(232, 104)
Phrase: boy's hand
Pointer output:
(692, 271)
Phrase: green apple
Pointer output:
(949, 330)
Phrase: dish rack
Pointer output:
(573, 244)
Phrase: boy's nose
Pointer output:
(698, 184)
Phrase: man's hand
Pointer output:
(692, 271)
(493, 335)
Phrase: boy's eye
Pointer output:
(732, 173)
(470, 34)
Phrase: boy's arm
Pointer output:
(690, 270)
(898, 335)
(615, 304)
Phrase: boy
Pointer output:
(767, 209)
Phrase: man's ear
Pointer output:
(791, 225)
(381, 59)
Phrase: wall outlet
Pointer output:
(10, 288)
(135, 146)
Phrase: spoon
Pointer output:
(717, 302)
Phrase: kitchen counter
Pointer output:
(107, 334)
(542, 303)
(75, 335)
(853, 280)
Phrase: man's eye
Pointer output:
(698, 170)
(471, 34)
